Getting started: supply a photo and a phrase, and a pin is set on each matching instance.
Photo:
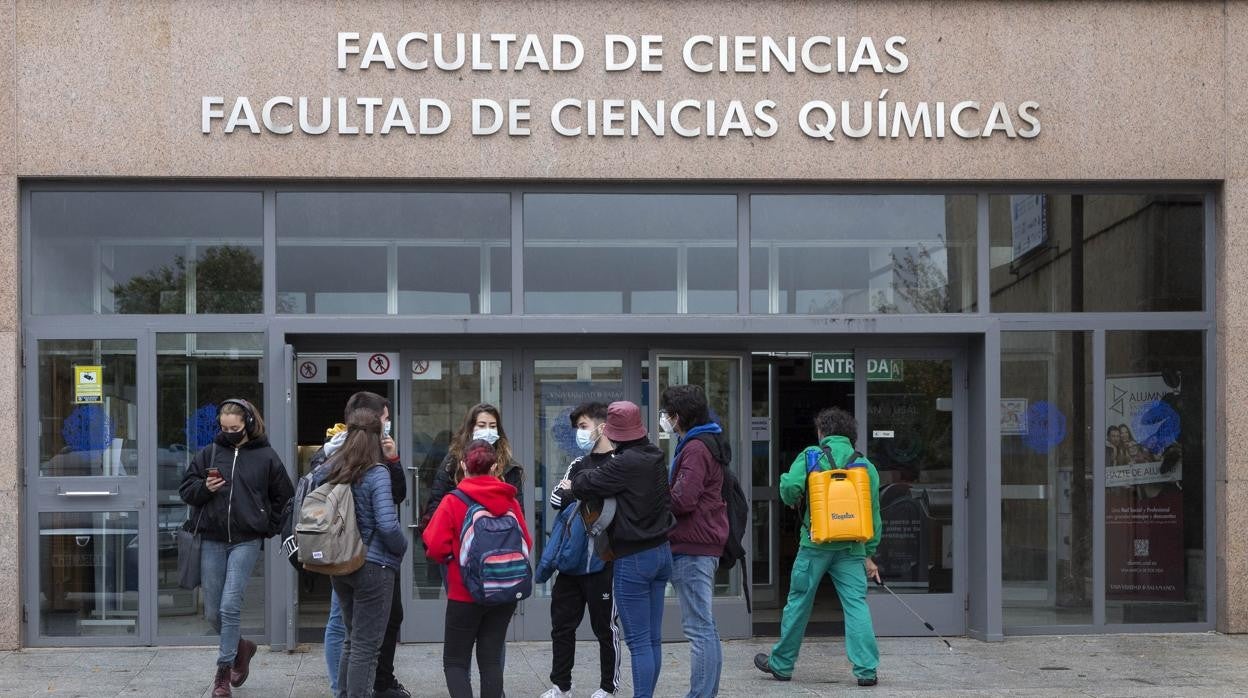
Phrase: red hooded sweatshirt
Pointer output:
(441, 536)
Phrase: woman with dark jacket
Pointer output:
(482, 423)
(637, 478)
(697, 481)
(469, 623)
(365, 595)
(237, 488)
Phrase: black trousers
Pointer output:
(469, 624)
(364, 596)
(569, 598)
(389, 643)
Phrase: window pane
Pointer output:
(630, 253)
(89, 579)
(194, 373)
(837, 254)
(440, 253)
(1154, 479)
(1133, 253)
(1046, 478)
(85, 429)
(146, 252)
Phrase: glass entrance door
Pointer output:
(912, 420)
(441, 388)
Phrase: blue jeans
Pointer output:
(225, 569)
(640, 580)
(335, 634)
(694, 579)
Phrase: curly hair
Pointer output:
(834, 421)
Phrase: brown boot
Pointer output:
(242, 662)
(221, 682)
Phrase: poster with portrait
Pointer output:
(1142, 431)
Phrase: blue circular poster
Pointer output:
(1046, 427)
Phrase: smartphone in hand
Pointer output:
(216, 472)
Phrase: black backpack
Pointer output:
(738, 513)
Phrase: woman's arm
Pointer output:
(194, 490)
(386, 515)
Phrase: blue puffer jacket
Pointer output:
(569, 550)
(378, 518)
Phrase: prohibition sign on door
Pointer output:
(311, 370)
(426, 370)
(377, 366)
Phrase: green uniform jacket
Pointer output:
(793, 488)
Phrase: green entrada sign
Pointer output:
(839, 367)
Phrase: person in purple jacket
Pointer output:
(697, 481)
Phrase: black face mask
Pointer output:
(234, 437)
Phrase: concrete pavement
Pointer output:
(1105, 665)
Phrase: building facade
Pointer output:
(1006, 235)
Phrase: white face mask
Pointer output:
(585, 439)
(665, 423)
(487, 435)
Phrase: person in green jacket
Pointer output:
(849, 564)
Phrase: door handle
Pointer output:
(86, 493)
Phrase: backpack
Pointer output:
(738, 516)
(328, 535)
(840, 500)
(493, 556)
(291, 512)
(570, 549)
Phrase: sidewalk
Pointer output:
(1105, 665)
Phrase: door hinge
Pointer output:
(517, 380)
(966, 603)
(966, 491)
(25, 620)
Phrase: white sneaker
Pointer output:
(601, 694)
(554, 692)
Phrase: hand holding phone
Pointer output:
(214, 480)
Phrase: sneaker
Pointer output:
(602, 694)
(867, 682)
(760, 661)
(394, 690)
(556, 692)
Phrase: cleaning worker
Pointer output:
(848, 563)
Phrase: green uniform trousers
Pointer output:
(848, 574)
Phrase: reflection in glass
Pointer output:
(89, 579)
(393, 252)
(1131, 253)
(910, 441)
(630, 253)
(439, 404)
(721, 379)
(760, 531)
(1046, 478)
(88, 408)
(131, 252)
(1154, 477)
(834, 254)
(194, 373)
(559, 386)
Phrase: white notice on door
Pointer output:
(882, 433)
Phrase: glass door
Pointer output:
(441, 387)
(88, 519)
(912, 420)
(725, 378)
(555, 383)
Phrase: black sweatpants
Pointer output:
(385, 658)
(486, 627)
(571, 594)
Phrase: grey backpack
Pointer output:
(327, 533)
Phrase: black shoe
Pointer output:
(760, 661)
(867, 682)
(394, 690)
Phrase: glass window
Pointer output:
(194, 373)
(1046, 478)
(88, 408)
(393, 252)
(630, 254)
(89, 579)
(1154, 477)
(1132, 253)
(834, 254)
(146, 252)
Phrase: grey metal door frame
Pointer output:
(947, 612)
(135, 492)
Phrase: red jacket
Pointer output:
(441, 536)
(698, 503)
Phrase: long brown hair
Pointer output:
(464, 437)
(361, 451)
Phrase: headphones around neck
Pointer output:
(249, 417)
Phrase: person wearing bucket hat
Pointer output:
(637, 478)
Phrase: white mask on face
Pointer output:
(487, 435)
(665, 423)
(585, 439)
